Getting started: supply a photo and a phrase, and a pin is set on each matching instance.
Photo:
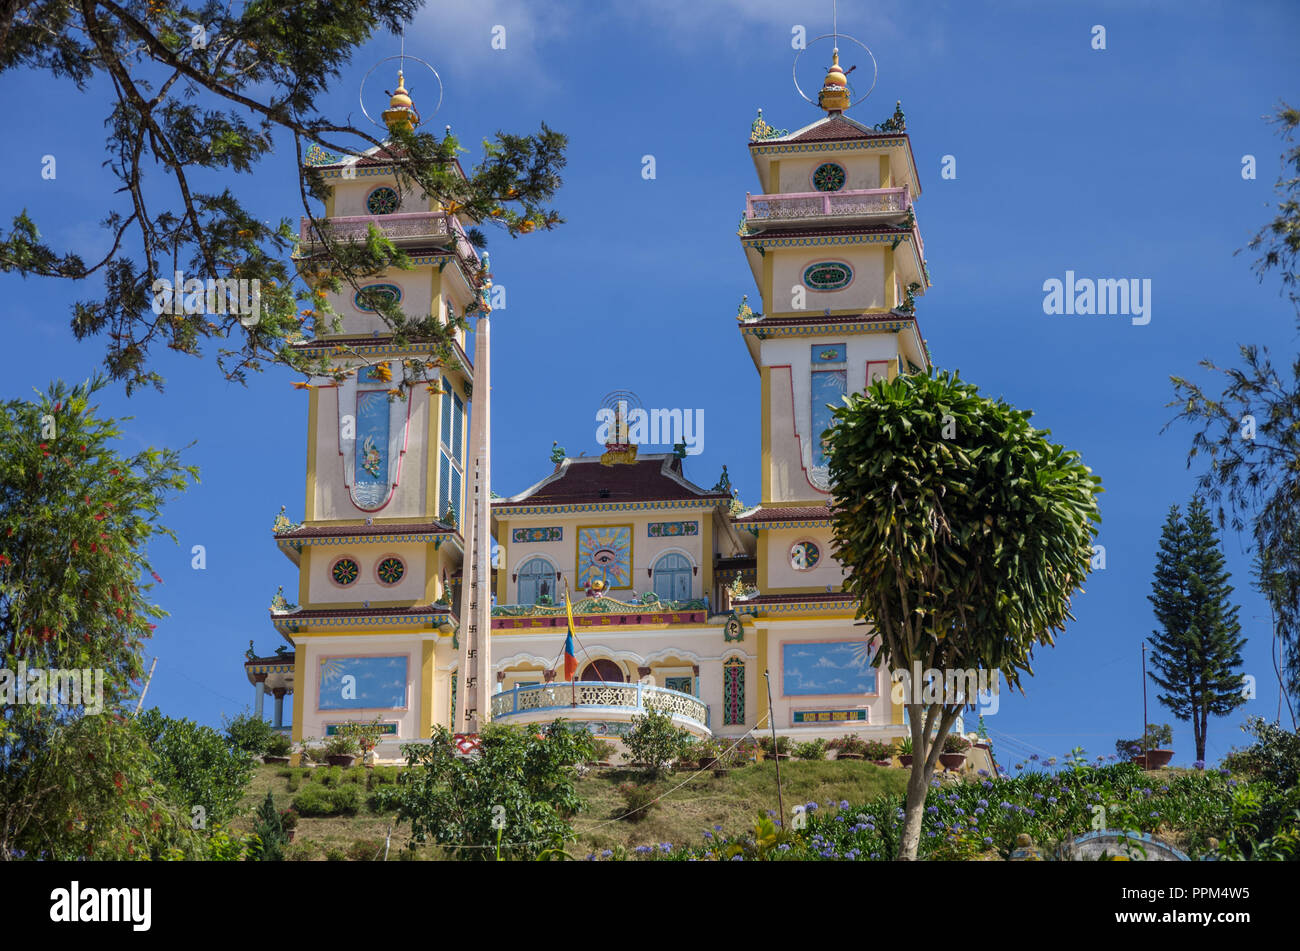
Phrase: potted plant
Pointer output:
(289, 823)
(706, 752)
(953, 756)
(1155, 746)
(905, 752)
(775, 749)
(278, 748)
(850, 746)
(880, 753)
(341, 749)
(308, 753)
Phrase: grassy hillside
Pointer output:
(680, 817)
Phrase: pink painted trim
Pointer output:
(825, 196)
(818, 697)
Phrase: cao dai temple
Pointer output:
(680, 600)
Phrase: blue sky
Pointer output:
(1117, 163)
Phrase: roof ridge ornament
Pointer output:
(835, 96)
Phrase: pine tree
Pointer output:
(270, 829)
(1197, 654)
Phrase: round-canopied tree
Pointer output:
(964, 532)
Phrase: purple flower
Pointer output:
(665, 846)
(1051, 800)
(844, 804)
(708, 835)
(642, 850)
(987, 841)
(717, 828)
(591, 856)
(933, 810)
(982, 772)
(737, 858)
(607, 853)
(810, 807)
(1199, 764)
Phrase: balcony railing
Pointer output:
(431, 227)
(573, 696)
(802, 207)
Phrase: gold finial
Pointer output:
(834, 95)
(401, 112)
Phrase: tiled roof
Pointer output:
(813, 598)
(417, 610)
(404, 528)
(824, 232)
(831, 129)
(653, 478)
(273, 659)
(889, 316)
(791, 513)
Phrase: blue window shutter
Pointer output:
(444, 483)
(458, 429)
(447, 396)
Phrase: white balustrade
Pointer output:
(634, 697)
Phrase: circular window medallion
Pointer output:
(829, 177)
(390, 571)
(804, 555)
(377, 294)
(345, 571)
(827, 276)
(382, 201)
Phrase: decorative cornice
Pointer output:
(772, 239)
(767, 147)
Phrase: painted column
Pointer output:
(278, 693)
(259, 694)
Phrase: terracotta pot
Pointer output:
(952, 761)
(1141, 760)
(883, 762)
(904, 759)
(341, 759)
(1158, 759)
(849, 756)
(275, 760)
(289, 834)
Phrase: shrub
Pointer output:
(781, 745)
(876, 749)
(357, 774)
(269, 829)
(381, 776)
(317, 800)
(813, 749)
(300, 852)
(366, 850)
(383, 799)
(638, 801)
(279, 745)
(602, 751)
(329, 776)
(655, 741)
(342, 743)
(522, 778)
(334, 853)
(250, 734)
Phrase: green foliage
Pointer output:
(197, 765)
(279, 745)
(366, 850)
(602, 751)
(316, 801)
(878, 749)
(812, 749)
(342, 744)
(269, 829)
(655, 741)
(252, 735)
(964, 533)
(955, 744)
(1196, 655)
(769, 746)
(516, 794)
(1253, 475)
(223, 108)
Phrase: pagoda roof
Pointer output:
(833, 128)
(825, 232)
(655, 478)
(375, 157)
(788, 513)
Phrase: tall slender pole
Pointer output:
(140, 703)
(1144, 702)
(776, 754)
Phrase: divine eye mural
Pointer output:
(827, 668)
(605, 555)
(362, 683)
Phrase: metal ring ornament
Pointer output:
(387, 59)
(875, 67)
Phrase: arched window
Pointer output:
(672, 577)
(733, 692)
(536, 579)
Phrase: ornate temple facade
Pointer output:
(729, 619)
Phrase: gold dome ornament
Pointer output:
(834, 95)
(401, 112)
